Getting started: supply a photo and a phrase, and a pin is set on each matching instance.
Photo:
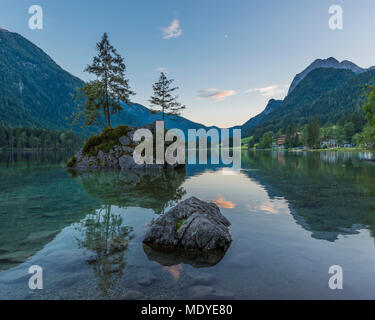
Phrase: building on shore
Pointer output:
(329, 143)
(281, 141)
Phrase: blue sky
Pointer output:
(227, 57)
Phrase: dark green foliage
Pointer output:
(88, 111)
(266, 140)
(31, 138)
(292, 137)
(105, 141)
(369, 107)
(34, 90)
(367, 136)
(163, 99)
(72, 162)
(98, 100)
(3, 136)
(329, 94)
(349, 131)
(251, 142)
(90, 145)
(313, 133)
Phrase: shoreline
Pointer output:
(317, 150)
(32, 150)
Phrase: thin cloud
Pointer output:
(269, 207)
(223, 203)
(215, 94)
(173, 31)
(274, 91)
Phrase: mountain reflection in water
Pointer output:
(289, 212)
(328, 193)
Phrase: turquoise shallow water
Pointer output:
(293, 216)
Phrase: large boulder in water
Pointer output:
(193, 226)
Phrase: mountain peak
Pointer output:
(253, 122)
(330, 62)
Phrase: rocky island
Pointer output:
(113, 148)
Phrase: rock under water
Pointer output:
(193, 232)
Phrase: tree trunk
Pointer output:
(108, 116)
(109, 119)
(105, 117)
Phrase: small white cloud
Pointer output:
(215, 94)
(274, 91)
(173, 31)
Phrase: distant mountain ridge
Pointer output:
(330, 91)
(253, 122)
(326, 63)
(36, 92)
(138, 115)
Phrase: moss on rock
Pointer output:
(72, 162)
(179, 224)
(105, 141)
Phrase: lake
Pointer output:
(293, 216)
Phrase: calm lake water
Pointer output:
(293, 216)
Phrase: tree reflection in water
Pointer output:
(150, 189)
(104, 235)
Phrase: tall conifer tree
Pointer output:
(102, 97)
(163, 98)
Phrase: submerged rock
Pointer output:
(133, 295)
(199, 278)
(145, 278)
(127, 162)
(194, 230)
(209, 293)
(195, 258)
